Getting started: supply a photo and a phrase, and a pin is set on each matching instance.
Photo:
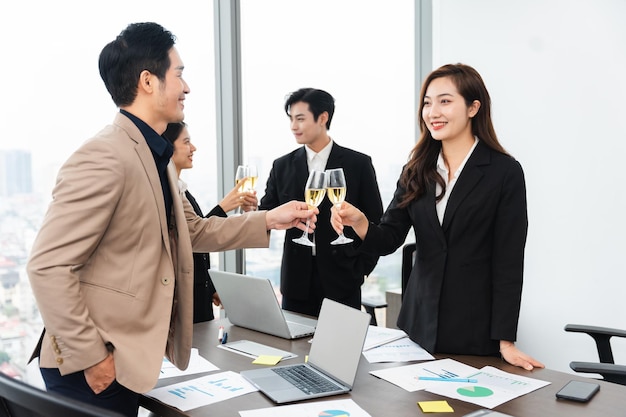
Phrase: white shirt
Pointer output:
(442, 169)
(316, 161)
(182, 186)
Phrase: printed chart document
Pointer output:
(377, 336)
(197, 365)
(203, 391)
(492, 387)
(402, 350)
(337, 408)
(407, 376)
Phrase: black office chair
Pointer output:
(18, 399)
(408, 258)
(606, 367)
(370, 304)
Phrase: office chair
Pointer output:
(370, 304)
(606, 367)
(408, 258)
(19, 399)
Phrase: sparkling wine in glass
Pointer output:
(336, 186)
(314, 192)
(241, 177)
(253, 176)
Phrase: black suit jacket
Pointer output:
(465, 288)
(203, 288)
(341, 268)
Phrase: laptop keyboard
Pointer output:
(307, 380)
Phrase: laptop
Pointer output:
(251, 302)
(333, 359)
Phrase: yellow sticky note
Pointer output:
(435, 407)
(267, 360)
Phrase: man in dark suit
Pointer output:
(334, 271)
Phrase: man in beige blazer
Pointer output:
(112, 265)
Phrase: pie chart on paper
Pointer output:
(474, 391)
(334, 413)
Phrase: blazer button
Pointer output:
(60, 361)
(165, 281)
(57, 350)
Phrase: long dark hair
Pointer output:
(173, 131)
(421, 169)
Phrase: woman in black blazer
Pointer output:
(203, 290)
(465, 198)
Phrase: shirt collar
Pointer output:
(182, 186)
(158, 144)
(443, 169)
(318, 163)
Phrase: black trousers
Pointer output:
(313, 303)
(116, 397)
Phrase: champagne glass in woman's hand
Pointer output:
(336, 185)
(240, 181)
(314, 192)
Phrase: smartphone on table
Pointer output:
(578, 391)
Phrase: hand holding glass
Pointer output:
(336, 183)
(314, 192)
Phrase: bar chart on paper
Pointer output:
(492, 388)
(203, 391)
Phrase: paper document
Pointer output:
(492, 388)
(203, 391)
(197, 365)
(402, 350)
(337, 408)
(407, 376)
(377, 336)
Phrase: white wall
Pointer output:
(555, 71)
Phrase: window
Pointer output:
(55, 100)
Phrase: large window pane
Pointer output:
(362, 52)
(53, 101)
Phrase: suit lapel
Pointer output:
(147, 161)
(301, 168)
(335, 157)
(470, 176)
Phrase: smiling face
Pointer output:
(306, 129)
(183, 151)
(445, 113)
(170, 93)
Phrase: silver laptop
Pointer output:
(333, 359)
(250, 302)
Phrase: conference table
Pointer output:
(376, 396)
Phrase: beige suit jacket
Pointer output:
(102, 269)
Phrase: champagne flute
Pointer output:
(252, 175)
(314, 192)
(240, 180)
(336, 185)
